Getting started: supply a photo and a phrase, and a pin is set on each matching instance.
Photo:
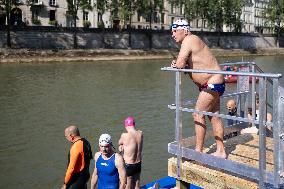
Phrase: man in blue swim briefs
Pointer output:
(131, 144)
(195, 54)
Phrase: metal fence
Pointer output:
(248, 74)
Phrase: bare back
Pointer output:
(132, 143)
(198, 56)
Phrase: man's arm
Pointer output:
(142, 139)
(184, 53)
(94, 179)
(120, 143)
(74, 154)
(119, 163)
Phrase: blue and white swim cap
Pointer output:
(180, 24)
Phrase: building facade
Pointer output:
(55, 12)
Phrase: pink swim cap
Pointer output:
(129, 122)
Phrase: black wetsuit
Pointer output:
(79, 179)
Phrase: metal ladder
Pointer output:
(265, 178)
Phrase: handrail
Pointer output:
(271, 75)
(236, 63)
(236, 118)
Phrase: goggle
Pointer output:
(175, 26)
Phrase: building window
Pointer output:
(35, 14)
(85, 15)
(51, 15)
(181, 9)
(163, 18)
(155, 17)
(52, 2)
(148, 17)
(172, 20)
(173, 11)
(204, 24)
(138, 17)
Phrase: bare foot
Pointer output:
(198, 150)
(220, 155)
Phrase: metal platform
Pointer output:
(268, 82)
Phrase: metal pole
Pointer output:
(238, 97)
(262, 132)
(253, 94)
(276, 133)
(178, 124)
(246, 106)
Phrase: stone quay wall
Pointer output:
(62, 38)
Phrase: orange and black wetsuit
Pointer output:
(77, 174)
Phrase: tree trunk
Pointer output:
(75, 44)
(130, 23)
(150, 32)
(8, 29)
(278, 34)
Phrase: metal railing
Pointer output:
(244, 89)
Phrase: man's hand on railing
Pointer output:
(173, 65)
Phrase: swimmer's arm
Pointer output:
(269, 117)
(74, 155)
(94, 179)
(120, 143)
(184, 53)
(141, 145)
(119, 163)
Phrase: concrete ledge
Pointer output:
(56, 55)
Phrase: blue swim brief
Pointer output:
(220, 88)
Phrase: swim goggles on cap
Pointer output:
(180, 26)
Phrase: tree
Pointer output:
(73, 7)
(8, 5)
(232, 14)
(190, 11)
(275, 15)
(216, 12)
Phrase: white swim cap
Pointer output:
(105, 139)
(180, 24)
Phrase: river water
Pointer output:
(37, 101)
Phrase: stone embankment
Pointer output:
(82, 55)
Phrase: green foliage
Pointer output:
(101, 25)
(7, 5)
(53, 22)
(103, 5)
(216, 12)
(36, 21)
(275, 13)
(75, 5)
(86, 23)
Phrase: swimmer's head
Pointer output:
(129, 122)
(180, 24)
(105, 139)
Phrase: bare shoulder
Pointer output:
(97, 154)
(188, 42)
(192, 39)
(140, 132)
(118, 158)
(123, 136)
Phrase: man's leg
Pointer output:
(218, 128)
(136, 179)
(204, 103)
(129, 183)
